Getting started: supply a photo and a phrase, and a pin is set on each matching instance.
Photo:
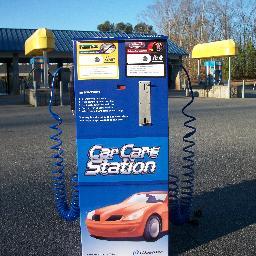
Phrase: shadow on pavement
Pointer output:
(176, 94)
(30, 226)
(12, 100)
(29, 222)
(225, 210)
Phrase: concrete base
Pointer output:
(43, 97)
(216, 91)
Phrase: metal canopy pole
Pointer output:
(35, 89)
(229, 77)
(61, 93)
(198, 71)
(45, 69)
(243, 89)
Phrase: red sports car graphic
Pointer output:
(144, 214)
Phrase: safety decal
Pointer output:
(97, 60)
(145, 59)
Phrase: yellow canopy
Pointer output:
(215, 49)
(41, 40)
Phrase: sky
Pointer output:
(69, 14)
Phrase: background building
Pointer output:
(15, 67)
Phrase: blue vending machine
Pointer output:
(121, 100)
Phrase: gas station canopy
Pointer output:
(222, 48)
(41, 40)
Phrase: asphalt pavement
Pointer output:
(225, 185)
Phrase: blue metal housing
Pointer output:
(111, 139)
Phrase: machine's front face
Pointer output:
(121, 95)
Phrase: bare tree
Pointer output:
(245, 21)
(189, 22)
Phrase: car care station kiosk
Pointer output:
(121, 96)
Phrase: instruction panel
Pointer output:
(145, 59)
(92, 107)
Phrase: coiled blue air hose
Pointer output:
(65, 211)
(181, 190)
(180, 197)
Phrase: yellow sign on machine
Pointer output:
(42, 40)
(215, 49)
(97, 60)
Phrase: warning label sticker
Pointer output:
(145, 58)
(97, 60)
(145, 70)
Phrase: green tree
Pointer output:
(238, 64)
(124, 27)
(243, 65)
(250, 54)
(106, 27)
(144, 28)
(141, 27)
